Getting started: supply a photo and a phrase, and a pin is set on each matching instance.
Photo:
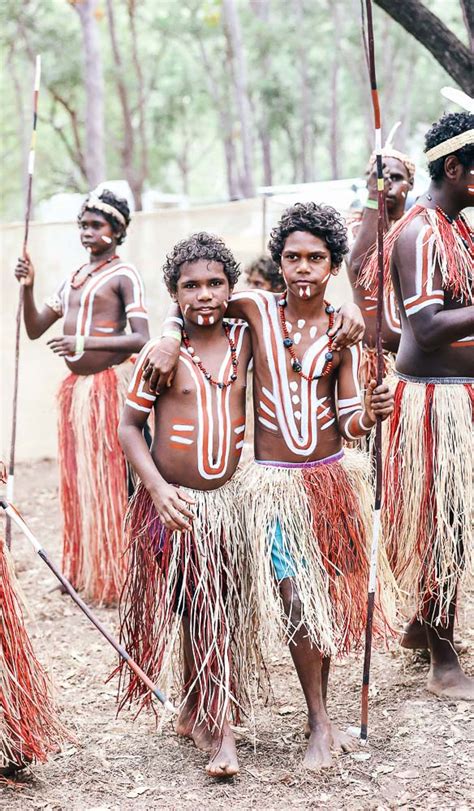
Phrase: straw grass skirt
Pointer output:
(203, 576)
(322, 513)
(428, 482)
(93, 481)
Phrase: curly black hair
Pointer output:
(320, 220)
(449, 125)
(270, 272)
(107, 196)
(199, 246)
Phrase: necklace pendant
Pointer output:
(287, 342)
(297, 367)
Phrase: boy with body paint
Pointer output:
(188, 559)
(96, 301)
(306, 501)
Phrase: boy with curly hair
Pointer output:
(306, 501)
(187, 554)
(96, 301)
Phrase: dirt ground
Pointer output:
(417, 757)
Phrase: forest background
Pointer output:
(212, 99)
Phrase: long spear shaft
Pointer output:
(19, 311)
(380, 373)
(15, 516)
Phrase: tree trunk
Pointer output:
(142, 131)
(94, 87)
(334, 143)
(307, 124)
(225, 121)
(436, 37)
(468, 14)
(239, 73)
(261, 9)
(128, 140)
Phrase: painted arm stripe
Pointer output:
(183, 427)
(137, 407)
(348, 401)
(415, 308)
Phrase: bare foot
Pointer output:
(341, 741)
(318, 754)
(198, 733)
(451, 682)
(223, 762)
(414, 638)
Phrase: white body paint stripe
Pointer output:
(267, 424)
(183, 427)
(181, 439)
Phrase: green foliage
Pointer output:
(184, 132)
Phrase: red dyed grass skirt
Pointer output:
(322, 513)
(29, 726)
(428, 483)
(93, 481)
(201, 575)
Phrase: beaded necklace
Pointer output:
(197, 360)
(76, 285)
(288, 343)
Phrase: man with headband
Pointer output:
(428, 476)
(96, 301)
(399, 174)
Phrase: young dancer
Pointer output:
(305, 501)
(399, 173)
(188, 560)
(263, 274)
(428, 477)
(96, 301)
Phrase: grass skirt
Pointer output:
(368, 366)
(29, 726)
(429, 493)
(93, 481)
(204, 575)
(324, 512)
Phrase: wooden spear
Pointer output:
(370, 51)
(15, 516)
(19, 311)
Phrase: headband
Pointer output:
(390, 152)
(95, 202)
(450, 146)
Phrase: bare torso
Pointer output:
(295, 420)
(198, 427)
(100, 308)
(417, 282)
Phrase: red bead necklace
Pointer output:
(76, 285)
(196, 359)
(288, 343)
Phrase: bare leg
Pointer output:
(341, 741)
(185, 726)
(414, 637)
(308, 664)
(446, 677)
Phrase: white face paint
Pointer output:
(106, 239)
(186, 308)
(211, 319)
(305, 292)
(200, 320)
(326, 278)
